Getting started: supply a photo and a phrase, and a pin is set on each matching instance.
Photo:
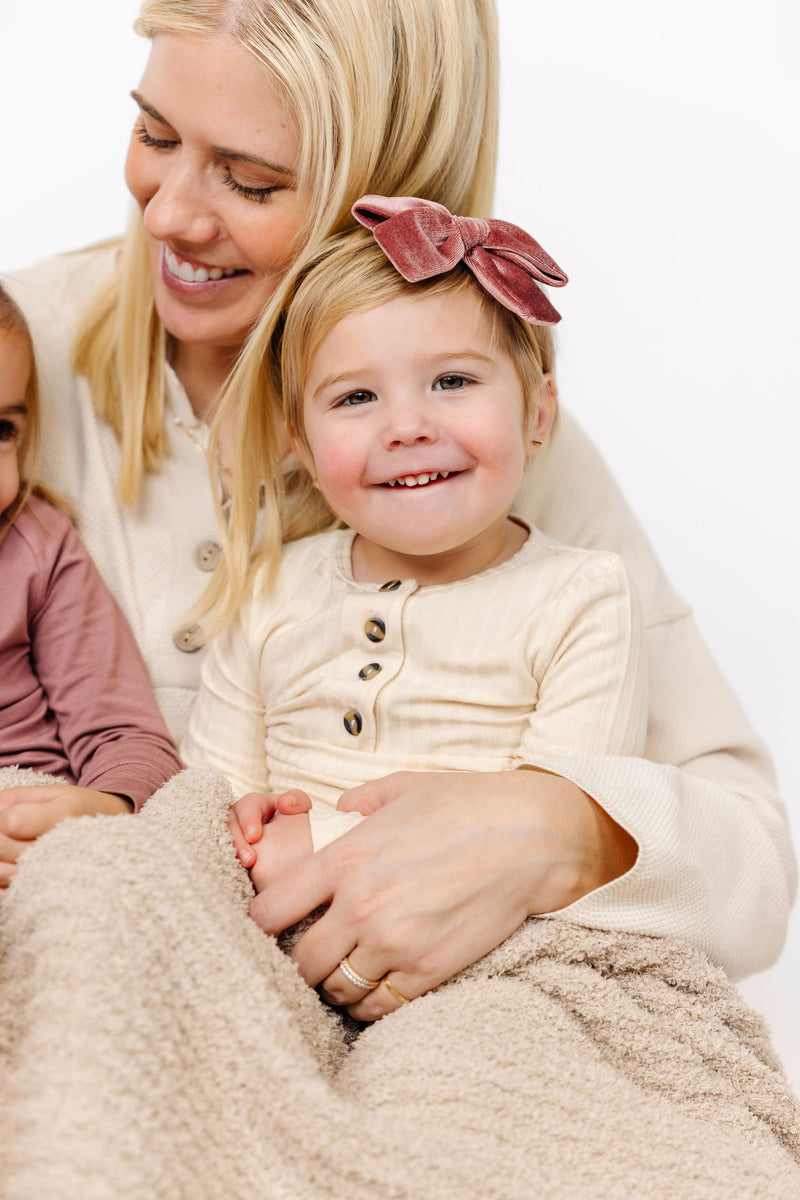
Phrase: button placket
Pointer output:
(377, 625)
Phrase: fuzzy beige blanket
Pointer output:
(155, 1045)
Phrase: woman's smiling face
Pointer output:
(212, 164)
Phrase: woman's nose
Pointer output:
(179, 208)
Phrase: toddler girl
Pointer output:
(438, 631)
(75, 698)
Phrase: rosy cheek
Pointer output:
(339, 470)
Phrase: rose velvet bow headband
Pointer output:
(422, 239)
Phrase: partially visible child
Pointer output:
(438, 631)
(75, 698)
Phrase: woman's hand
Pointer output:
(447, 866)
(28, 812)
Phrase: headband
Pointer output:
(422, 239)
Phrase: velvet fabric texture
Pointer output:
(423, 239)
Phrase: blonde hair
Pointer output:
(389, 96)
(348, 274)
(13, 324)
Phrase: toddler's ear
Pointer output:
(303, 453)
(546, 408)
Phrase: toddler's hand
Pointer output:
(252, 812)
(285, 843)
(28, 812)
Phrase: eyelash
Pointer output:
(463, 382)
(249, 193)
(259, 195)
(342, 403)
(9, 432)
(452, 375)
(154, 143)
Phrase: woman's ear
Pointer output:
(546, 407)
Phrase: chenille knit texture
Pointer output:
(155, 1045)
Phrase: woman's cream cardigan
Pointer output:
(715, 861)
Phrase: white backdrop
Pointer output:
(652, 149)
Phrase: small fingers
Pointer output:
(10, 849)
(244, 851)
(38, 794)
(253, 811)
(292, 802)
(7, 873)
(27, 821)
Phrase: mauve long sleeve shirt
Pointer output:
(75, 697)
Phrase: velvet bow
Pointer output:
(422, 239)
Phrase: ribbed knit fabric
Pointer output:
(540, 655)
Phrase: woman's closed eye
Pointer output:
(154, 143)
(249, 192)
(9, 432)
(259, 194)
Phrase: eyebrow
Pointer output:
(221, 151)
(485, 358)
(14, 410)
(335, 381)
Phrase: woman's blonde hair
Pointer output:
(350, 273)
(14, 325)
(388, 96)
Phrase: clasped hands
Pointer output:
(445, 867)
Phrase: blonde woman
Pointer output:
(259, 124)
